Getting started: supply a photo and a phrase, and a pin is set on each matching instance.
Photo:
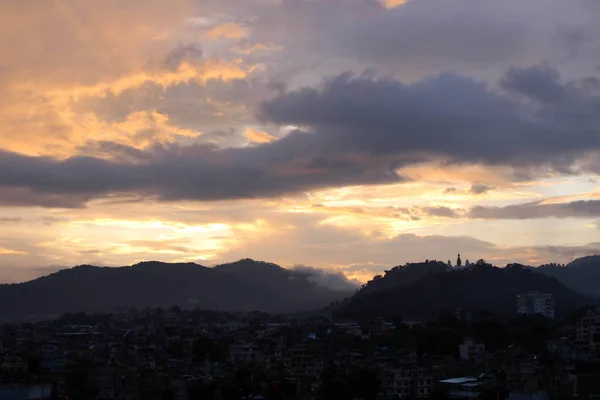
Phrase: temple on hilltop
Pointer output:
(459, 265)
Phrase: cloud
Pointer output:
(576, 209)
(448, 117)
(444, 212)
(95, 40)
(229, 30)
(29, 197)
(429, 36)
(359, 130)
(255, 136)
(327, 278)
(540, 83)
(389, 4)
(173, 246)
(480, 188)
(10, 252)
(10, 220)
(199, 172)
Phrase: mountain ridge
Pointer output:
(87, 288)
(481, 288)
(581, 274)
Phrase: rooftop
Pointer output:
(459, 381)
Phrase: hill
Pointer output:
(234, 287)
(297, 287)
(581, 275)
(483, 287)
(401, 276)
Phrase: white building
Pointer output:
(470, 350)
(535, 303)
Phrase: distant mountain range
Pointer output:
(245, 285)
(581, 275)
(417, 289)
(248, 285)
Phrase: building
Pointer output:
(25, 392)
(470, 350)
(244, 353)
(533, 303)
(409, 382)
(462, 388)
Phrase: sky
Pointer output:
(345, 135)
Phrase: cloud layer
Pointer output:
(360, 131)
(342, 134)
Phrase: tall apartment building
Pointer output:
(535, 303)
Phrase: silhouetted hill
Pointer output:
(298, 287)
(235, 287)
(401, 275)
(483, 288)
(581, 275)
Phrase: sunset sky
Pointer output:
(347, 135)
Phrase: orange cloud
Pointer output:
(70, 51)
(40, 119)
(389, 4)
(229, 30)
(185, 73)
(10, 252)
(255, 136)
(67, 41)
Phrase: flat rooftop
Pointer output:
(459, 381)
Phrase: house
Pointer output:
(470, 350)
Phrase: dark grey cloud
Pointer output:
(453, 117)
(182, 53)
(576, 209)
(450, 190)
(23, 196)
(540, 83)
(480, 188)
(429, 32)
(359, 130)
(444, 212)
(429, 36)
(588, 209)
(200, 172)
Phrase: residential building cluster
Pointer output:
(157, 354)
(532, 303)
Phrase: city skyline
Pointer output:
(344, 135)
